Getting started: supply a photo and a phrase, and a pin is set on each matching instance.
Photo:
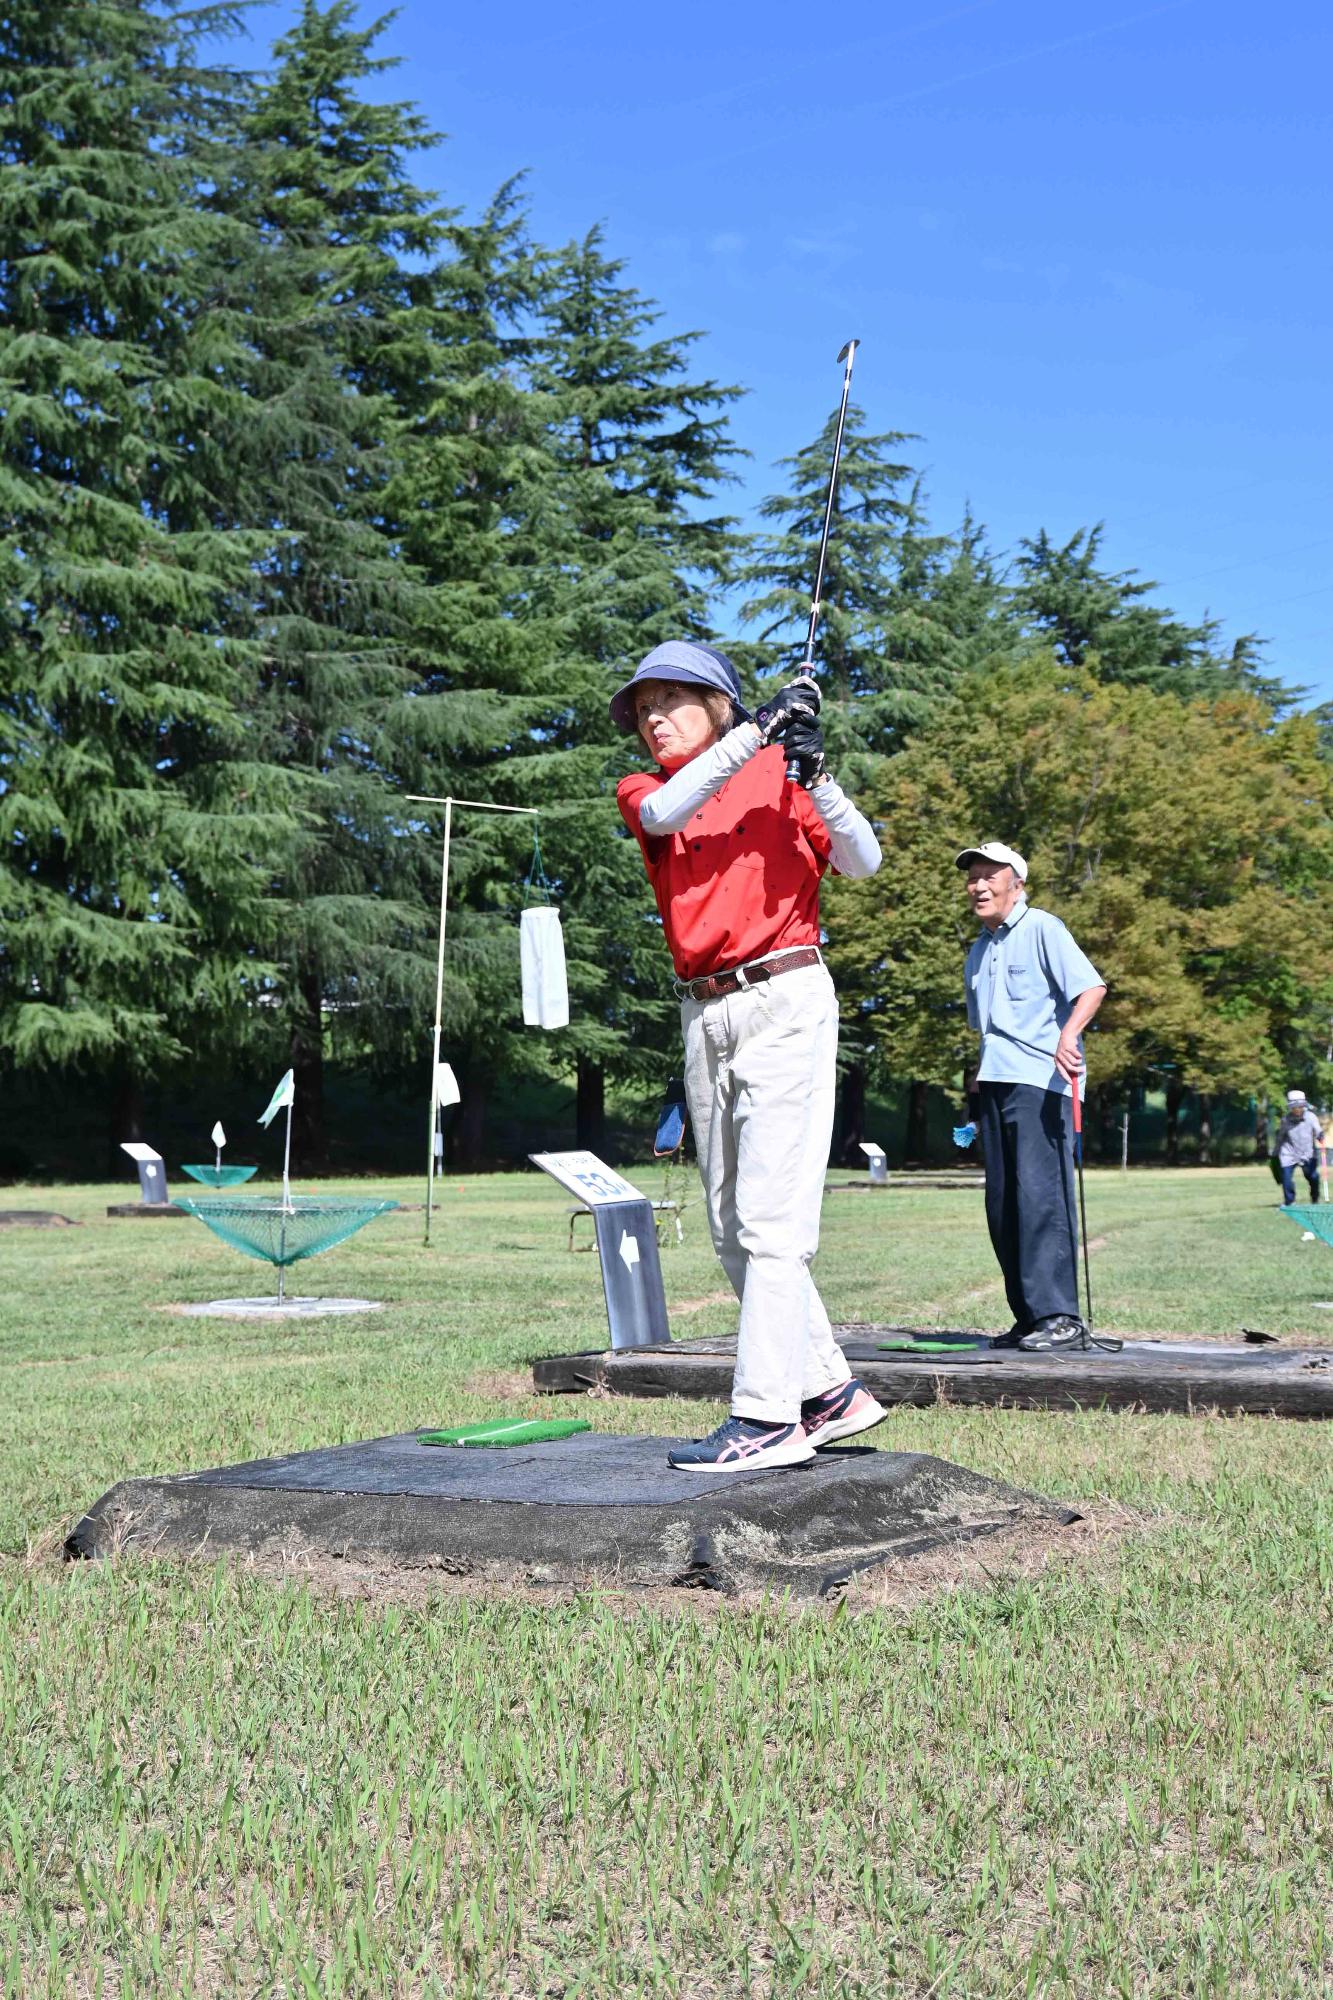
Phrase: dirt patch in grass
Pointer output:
(723, 1298)
(1093, 1542)
(502, 1385)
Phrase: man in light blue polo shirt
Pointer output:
(1030, 993)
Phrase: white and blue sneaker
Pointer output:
(840, 1413)
(742, 1444)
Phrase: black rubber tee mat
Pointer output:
(588, 1508)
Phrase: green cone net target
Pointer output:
(260, 1225)
(1317, 1219)
(220, 1177)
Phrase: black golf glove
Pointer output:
(803, 743)
(800, 697)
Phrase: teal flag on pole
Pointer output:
(283, 1096)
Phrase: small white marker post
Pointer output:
(152, 1173)
(466, 805)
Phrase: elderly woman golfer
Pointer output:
(735, 853)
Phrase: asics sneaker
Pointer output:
(840, 1413)
(742, 1444)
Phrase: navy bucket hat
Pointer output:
(678, 660)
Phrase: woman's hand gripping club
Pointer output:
(792, 719)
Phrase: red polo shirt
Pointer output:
(743, 877)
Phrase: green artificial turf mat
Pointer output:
(508, 1430)
(929, 1346)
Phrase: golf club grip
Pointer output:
(1078, 1110)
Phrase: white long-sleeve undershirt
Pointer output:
(669, 810)
(855, 850)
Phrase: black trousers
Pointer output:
(1027, 1137)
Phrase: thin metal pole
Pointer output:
(471, 805)
(1124, 1144)
(439, 1011)
(286, 1203)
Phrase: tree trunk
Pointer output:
(1175, 1092)
(470, 1123)
(914, 1151)
(1205, 1129)
(852, 1113)
(590, 1107)
(309, 1138)
(1261, 1127)
(126, 1121)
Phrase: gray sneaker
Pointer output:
(1061, 1333)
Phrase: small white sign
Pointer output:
(587, 1177)
(872, 1152)
(138, 1151)
(446, 1086)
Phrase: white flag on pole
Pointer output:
(446, 1086)
(219, 1137)
(284, 1095)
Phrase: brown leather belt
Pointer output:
(715, 984)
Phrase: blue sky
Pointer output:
(1086, 250)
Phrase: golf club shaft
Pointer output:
(1082, 1204)
(848, 356)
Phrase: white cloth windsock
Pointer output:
(542, 955)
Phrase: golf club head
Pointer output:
(848, 352)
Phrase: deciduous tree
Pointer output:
(1182, 842)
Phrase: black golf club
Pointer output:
(848, 355)
(1110, 1343)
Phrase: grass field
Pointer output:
(1106, 1774)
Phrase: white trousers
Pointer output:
(759, 1078)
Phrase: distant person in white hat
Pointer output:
(1030, 993)
(1299, 1137)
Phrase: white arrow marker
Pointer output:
(629, 1250)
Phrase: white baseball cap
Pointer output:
(995, 850)
(1295, 1097)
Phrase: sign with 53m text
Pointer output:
(587, 1177)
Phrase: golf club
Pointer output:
(1109, 1342)
(847, 355)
